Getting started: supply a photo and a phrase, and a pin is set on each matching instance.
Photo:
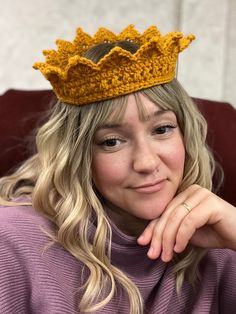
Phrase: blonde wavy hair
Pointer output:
(58, 182)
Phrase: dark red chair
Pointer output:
(21, 112)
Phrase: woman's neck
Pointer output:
(127, 223)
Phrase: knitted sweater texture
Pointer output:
(46, 280)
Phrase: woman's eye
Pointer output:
(111, 142)
(164, 129)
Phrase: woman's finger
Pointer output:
(177, 216)
(146, 236)
(156, 240)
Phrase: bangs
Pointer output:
(113, 110)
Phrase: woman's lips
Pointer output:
(150, 187)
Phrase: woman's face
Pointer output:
(137, 165)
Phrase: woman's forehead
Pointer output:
(136, 103)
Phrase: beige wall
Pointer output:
(207, 69)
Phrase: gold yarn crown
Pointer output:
(77, 80)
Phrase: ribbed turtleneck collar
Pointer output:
(131, 257)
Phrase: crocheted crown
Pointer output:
(77, 80)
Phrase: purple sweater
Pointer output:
(39, 281)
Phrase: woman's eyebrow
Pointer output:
(157, 113)
(111, 126)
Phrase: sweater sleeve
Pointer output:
(227, 281)
(35, 277)
(14, 280)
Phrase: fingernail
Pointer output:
(150, 251)
(141, 237)
(166, 257)
(176, 249)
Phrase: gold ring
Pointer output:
(187, 207)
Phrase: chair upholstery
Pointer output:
(21, 112)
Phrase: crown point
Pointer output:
(185, 42)
(130, 33)
(82, 40)
(104, 35)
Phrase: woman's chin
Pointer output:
(151, 213)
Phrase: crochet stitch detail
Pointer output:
(77, 80)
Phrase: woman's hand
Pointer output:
(195, 216)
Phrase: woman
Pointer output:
(115, 211)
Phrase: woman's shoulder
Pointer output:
(221, 255)
(18, 209)
(34, 269)
(22, 219)
(220, 261)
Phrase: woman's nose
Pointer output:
(146, 158)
